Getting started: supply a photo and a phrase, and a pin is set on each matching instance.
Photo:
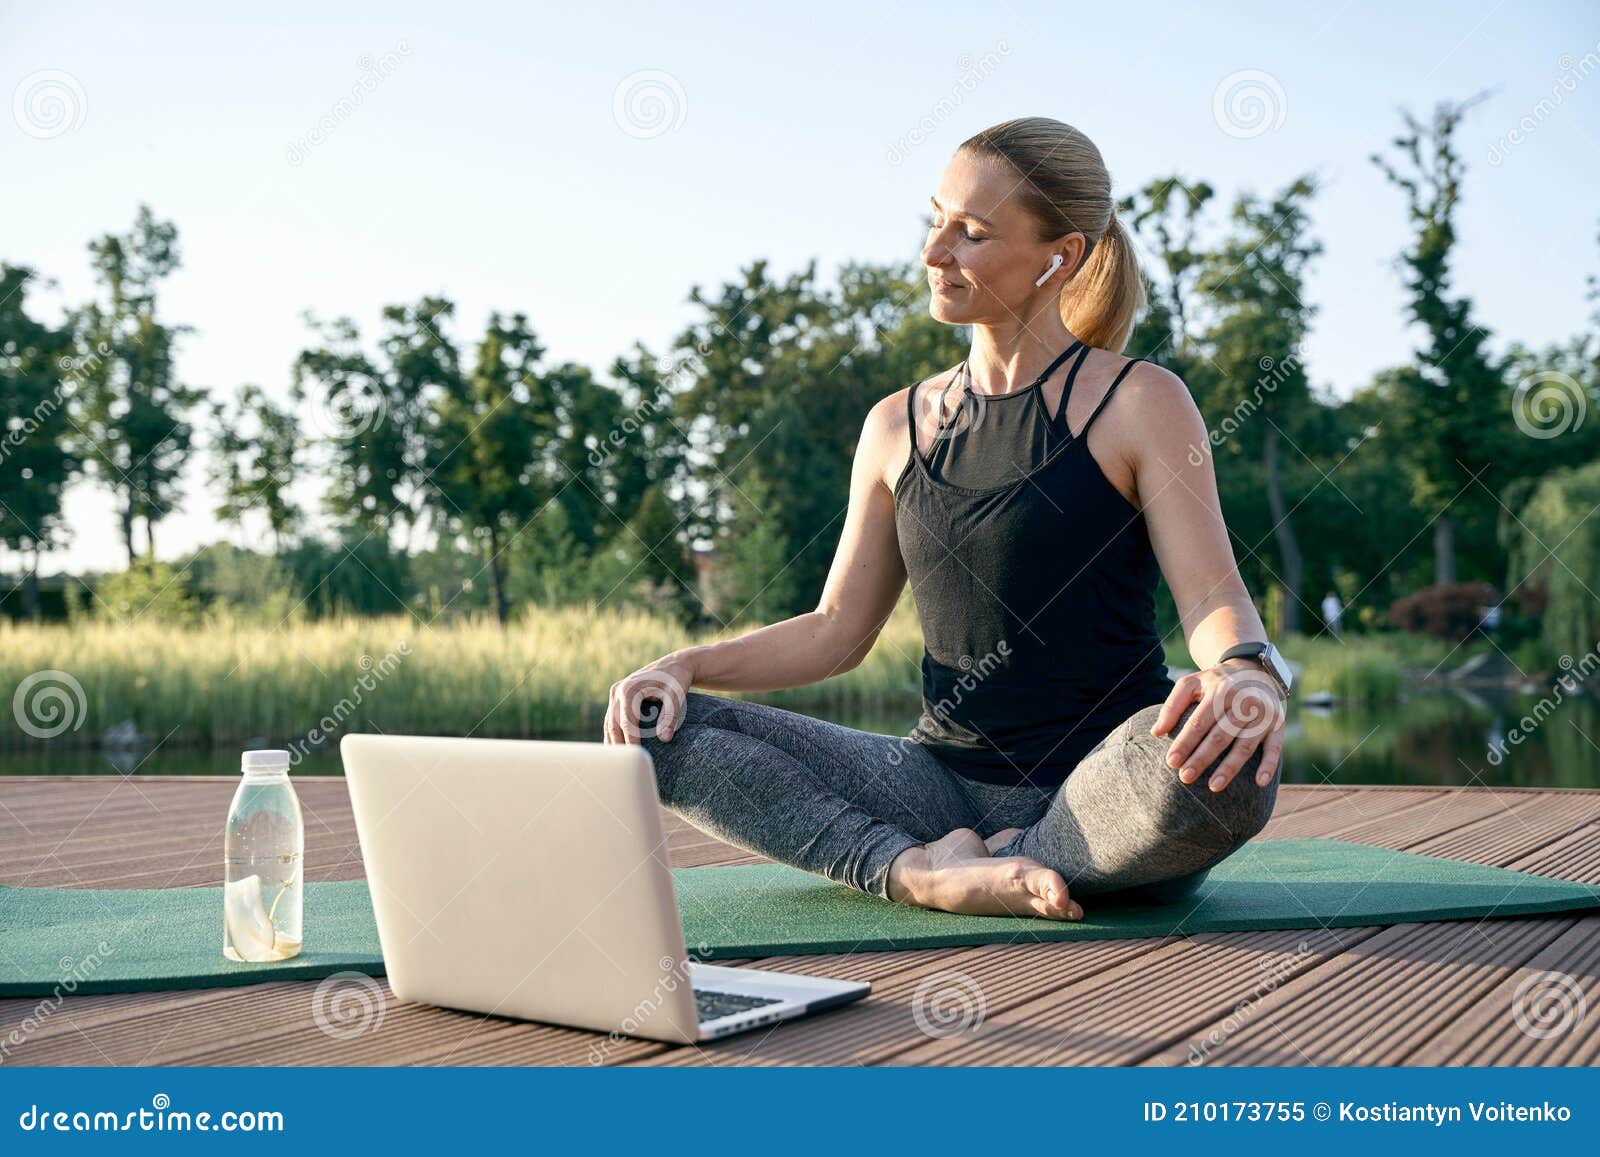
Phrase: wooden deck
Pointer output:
(1415, 994)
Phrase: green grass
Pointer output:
(226, 681)
(547, 674)
(1366, 669)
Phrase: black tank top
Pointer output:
(1034, 580)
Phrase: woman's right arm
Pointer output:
(863, 585)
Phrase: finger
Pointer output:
(612, 730)
(640, 697)
(1191, 732)
(1271, 757)
(666, 722)
(627, 726)
(649, 702)
(1207, 752)
(1182, 694)
(1238, 755)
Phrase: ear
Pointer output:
(1072, 247)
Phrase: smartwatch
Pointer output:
(1270, 659)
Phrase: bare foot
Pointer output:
(959, 846)
(957, 874)
(1000, 839)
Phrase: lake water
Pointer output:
(1437, 739)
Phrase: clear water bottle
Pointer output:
(264, 847)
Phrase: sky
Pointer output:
(588, 164)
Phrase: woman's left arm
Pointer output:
(1240, 706)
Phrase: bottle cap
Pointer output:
(268, 760)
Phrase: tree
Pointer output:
(131, 407)
(1554, 545)
(1254, 282)
(756, 583)
(1451, 411)
(663, 560)
(481, 439)
(255, 454)
(368, 418)
(1166, 215)
(36, 463)
(358, 574)
(784, 374)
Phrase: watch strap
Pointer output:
(1257, 653)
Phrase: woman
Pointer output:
(1045, 765)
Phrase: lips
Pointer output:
(946, 286)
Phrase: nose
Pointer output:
(935, 254)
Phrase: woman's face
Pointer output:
(981, 253)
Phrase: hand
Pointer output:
(1240, 705)
(630, 715)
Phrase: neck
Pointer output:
(1009, 355)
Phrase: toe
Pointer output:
(1000, 839)
(1049, 893)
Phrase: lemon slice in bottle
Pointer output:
(250, 931)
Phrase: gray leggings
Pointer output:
(844, 803)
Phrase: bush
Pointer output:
(147, 591)
(1445, 610)
(1555, 553)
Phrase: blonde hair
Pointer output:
(1064, 186)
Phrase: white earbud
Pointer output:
(1055, 263)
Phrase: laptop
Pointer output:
(530, 879)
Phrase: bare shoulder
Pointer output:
(886, 434)
(1150, 426)
(1153, 389)
(1153, 410)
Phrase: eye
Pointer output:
(964, 233)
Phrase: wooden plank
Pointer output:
(913, 992)
(1091, 1024)
(1438, 993)
(1158, 999)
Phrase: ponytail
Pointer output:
(1101, 303)
(1063, 184)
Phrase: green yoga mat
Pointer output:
(64, 940)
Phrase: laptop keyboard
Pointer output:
(710, 1005)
